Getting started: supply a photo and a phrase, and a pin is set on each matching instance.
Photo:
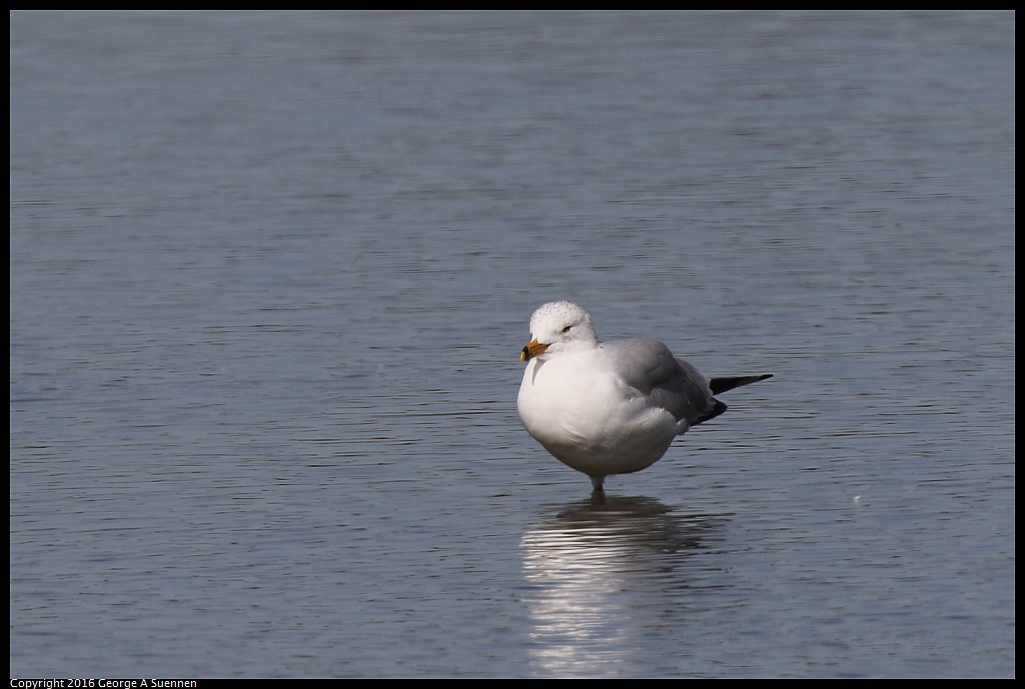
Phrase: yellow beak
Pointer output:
(533, 349)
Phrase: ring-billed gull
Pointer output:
(611, 407)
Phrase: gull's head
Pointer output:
(559, 326)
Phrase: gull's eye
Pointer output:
(567, 328)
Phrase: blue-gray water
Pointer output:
(270, 275)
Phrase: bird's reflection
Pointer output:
(605, 572)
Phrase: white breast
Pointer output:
(588, 418)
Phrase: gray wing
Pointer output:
(667, 382)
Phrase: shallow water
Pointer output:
(270, 275)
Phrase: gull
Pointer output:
(609, 407)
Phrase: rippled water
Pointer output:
(270, 274)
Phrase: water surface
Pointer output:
(270, 274)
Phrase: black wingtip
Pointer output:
(715, 411)
(723, 384)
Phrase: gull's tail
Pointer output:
(723, 384)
